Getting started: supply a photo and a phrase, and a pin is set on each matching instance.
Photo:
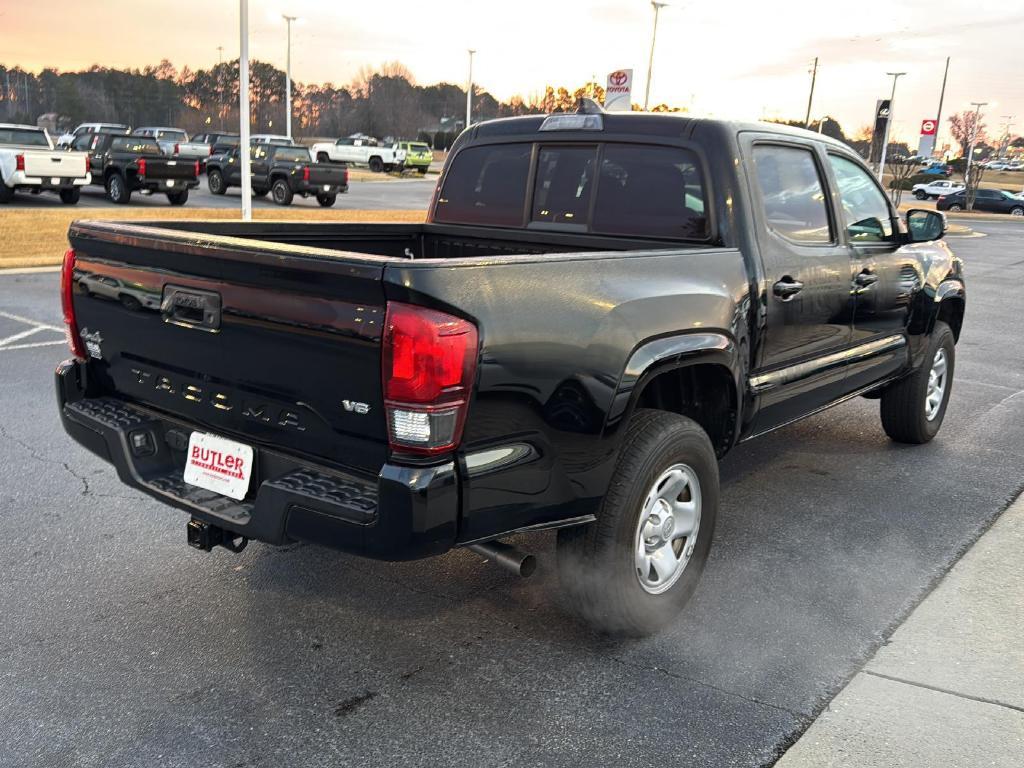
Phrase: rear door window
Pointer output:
(565, 179)
(649, 191)
(486, 185)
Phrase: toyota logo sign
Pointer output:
(618, 78)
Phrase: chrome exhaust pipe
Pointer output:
(507, 556)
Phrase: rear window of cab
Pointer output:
(633, 190)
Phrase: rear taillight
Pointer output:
(67, 291)
(142, 167)
(344, 177)
(196, 166)
(429, 363)
(942, 197)
(211, 149)
(305, 173)
(19, 163)
(176, 150)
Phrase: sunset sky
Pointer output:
(728, 58)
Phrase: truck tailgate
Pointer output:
(324, 173)
(256, 342)
(161, 168)
(48, 164)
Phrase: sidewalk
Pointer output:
(948, 689)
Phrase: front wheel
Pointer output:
(326, 201)
(117, 189)
(178, 198)
(281, 192)
(921, 194)
(422, 170)
(70, 196)
(215, 182)
(632, 571)
(1017, 211)
(912, 409)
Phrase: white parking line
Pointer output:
(26, 321)
(33, 345)
(7, 343)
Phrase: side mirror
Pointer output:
(924, 225)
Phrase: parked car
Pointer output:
(29, 163)
(360, 151)
(938, 169)
(987, 200)
(127, 164)
(935, 189)
(174, 142)
(997, 165)
(283, 171)
(131, 296)
(1015, 165)
(67, 139)
(598, 307)
(217, 142)
(271, 138)
(418, 155)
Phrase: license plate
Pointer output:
(55, 180)
(218, 465)
(327, 187)
(170, 182)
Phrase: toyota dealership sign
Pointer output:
(926, 144)
(619, 90)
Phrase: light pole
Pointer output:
(288, 77)
(810, 97)
(469, 90)
(243, 109)
(220, 89)
(1005, 140)
(650, 61)
(821, 123)
(888, 123)
(975, 130)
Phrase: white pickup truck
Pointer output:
(28, 162)
(360, 150)
(936, 189)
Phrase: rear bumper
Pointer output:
(19, 179)
(402, 514)
(306, 189)
(160, 185)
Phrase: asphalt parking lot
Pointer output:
(407, 193)
(120, 646)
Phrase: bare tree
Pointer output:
(972, 180)
(967, 129)
(900, 169)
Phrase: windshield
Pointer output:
(25, 137)
(293, 155)
(135, 145)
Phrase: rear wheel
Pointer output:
(323, 157)
(912, 409)
(921, 194)
(632, 571)
(215, 182)
(70, 196)
(955, 207)
(281, 192)
(178, 198)
(1017, 211)
(326, 201)
(423, 170)
(117, 189)
(376, 164)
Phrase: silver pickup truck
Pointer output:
(174, 143)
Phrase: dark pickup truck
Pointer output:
(597, 309)
(126, 164)
(283, 171)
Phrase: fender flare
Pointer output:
(950, 289)
(656, 356)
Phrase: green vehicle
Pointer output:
(418, 155)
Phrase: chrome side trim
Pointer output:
(768, 381)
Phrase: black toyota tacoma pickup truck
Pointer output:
(598, 308)
(126, 164)
(283, 171)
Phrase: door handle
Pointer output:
(787, 288)
(866, 278)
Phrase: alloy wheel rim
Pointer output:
(937, 379)
(666, 531)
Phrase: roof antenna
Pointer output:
(586, 106)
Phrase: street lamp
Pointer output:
(469, 90)
(243, 109)
(650, 61)
(974, 135)
(288, 76)
(888, 123)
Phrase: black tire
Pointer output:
(1017, 211)
(325, 200)
(281, 192)
(903, 404)
(130, 302)
(6, 193)
(215, 182)
(921, 194)
(955, 207)
(70, 196)
(376, 164)
(260, 192)
(423, 170)
(117, 189)
(178, 198)
(596, 564)
(323, 157)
